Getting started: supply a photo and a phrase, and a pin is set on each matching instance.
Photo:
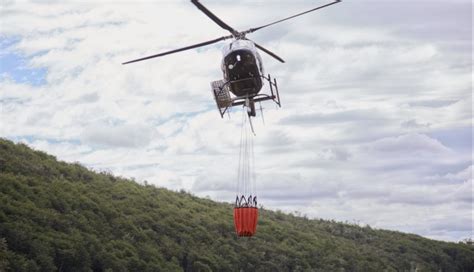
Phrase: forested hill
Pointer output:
(56, 216)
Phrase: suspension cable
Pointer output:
(246, 185)
(240, 162)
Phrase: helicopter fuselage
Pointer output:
(242, 68)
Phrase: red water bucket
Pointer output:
(245, 220)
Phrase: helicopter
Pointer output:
(242, 68)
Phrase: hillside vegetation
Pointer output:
(56, 216)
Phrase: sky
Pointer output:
(376, 119)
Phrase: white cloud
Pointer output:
(118, 135)
(414, 144)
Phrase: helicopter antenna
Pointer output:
(261, 112)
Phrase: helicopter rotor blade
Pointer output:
(180, 49)
(214, 17)
(291, 17)
(268, 52)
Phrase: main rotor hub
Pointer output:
(239, 35)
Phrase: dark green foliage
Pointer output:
(56, 216)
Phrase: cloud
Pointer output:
(118, 135)
(335, 117)
(408, 144)
(414, 124)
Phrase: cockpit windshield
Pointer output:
(243, 45)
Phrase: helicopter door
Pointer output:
(243, 73)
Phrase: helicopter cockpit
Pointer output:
(242, 68)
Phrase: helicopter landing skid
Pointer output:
(224, 101)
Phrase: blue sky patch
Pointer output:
(31, 139)
(459, 139)
(16, 67)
